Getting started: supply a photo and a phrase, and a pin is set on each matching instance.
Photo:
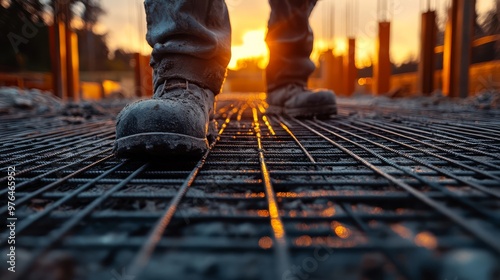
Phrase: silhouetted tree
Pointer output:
(93, 50)
(90, 13)
(491, 26)
(120, 61)
(23, 36)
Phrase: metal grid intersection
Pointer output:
(375, 193)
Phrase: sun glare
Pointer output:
(340, 48)
(253, 47)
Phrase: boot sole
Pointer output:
(318, 111)
(159, 144)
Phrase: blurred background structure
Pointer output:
(91, 49)
(403, 183)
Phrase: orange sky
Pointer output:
(125, 25)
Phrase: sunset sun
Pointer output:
(253, 47)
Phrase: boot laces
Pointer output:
(174, 84)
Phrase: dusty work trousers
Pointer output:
(191, 40)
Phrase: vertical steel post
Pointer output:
(147, 76)
(338, 75)
(64, 54)
(143, 76)
(427, 55)
(58, 58)
(382, 67)
(73, 65)
(137, 75)
(449, 51)
(458, 48)
(327, 76)
(65, 17)
(351, 73)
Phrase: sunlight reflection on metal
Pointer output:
(287, 194)
(328, 212)
(303, 241)
(340, 230)
(402, 231)
(263, 213)
(242, 110)
(255, 195)
(426, 239)
(266, 121)
(276, 223)
(279, 230)
(266, 242)
(262, 109)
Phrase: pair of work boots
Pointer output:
(178, 120)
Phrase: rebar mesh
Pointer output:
(381, 191)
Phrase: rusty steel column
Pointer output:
(327, 77)
(58, 58)
(73, 66)
(147, 75)
(137, 75)
(449, 51)
(382, 67)
(458, 48)
(338, 75)
(426, 65)
(143, 76)
(351, 73)
(72, 84)
(64, 54)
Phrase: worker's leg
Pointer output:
(290, 40)
(191, 49)
(191, 40)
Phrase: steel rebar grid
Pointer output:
(379, 192)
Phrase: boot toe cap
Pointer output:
(162, 116)
(312, 99)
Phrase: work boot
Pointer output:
(176, 121)
(296, 100)
(191, 43)
(290, 41)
